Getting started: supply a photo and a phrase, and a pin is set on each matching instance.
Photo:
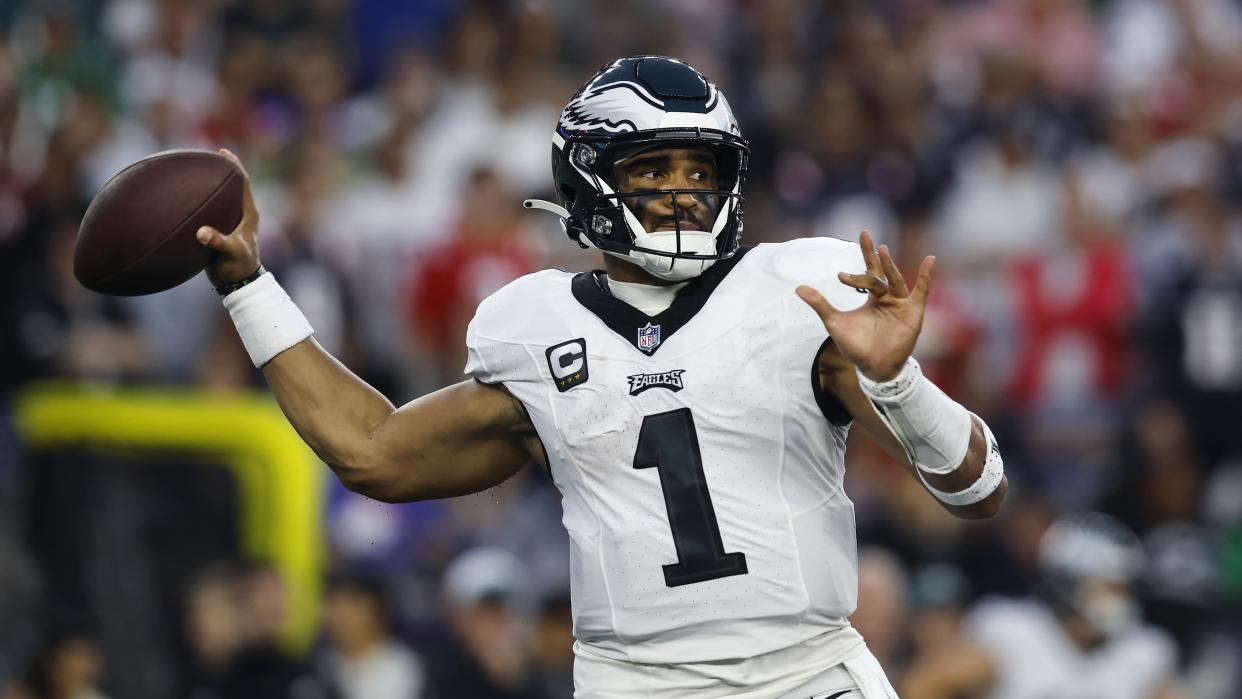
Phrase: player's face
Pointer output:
(670, 168)
(1108, 606)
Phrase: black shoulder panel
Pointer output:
(833, 409)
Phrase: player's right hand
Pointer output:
(234, 256)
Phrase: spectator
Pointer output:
(883, 615)
(1005, 201)
(1194, 316)
(938, 597)
(554, 647)
(373, 228)
(234, 621)
(488, 652)
(62, 328)
(299, 254)
(213, 628)
(487, 251)
(363, 658)
(1081, 637)
(70, 668)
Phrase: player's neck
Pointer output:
(632, 284)
(648, 298)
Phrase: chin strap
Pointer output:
(546, 206)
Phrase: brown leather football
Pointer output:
(137, 236)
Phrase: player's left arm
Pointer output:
(868, 368)
(839, 377)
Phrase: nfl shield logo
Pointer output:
(648, 337)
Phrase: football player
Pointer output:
(1082, 634)
(685, 399)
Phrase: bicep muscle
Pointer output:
(458, 440)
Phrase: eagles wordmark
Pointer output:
(665, 379)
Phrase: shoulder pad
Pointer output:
(513, 316)
(817, 262)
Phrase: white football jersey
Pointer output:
(1036, 659)
(701, 481)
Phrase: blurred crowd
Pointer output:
(1074, 164)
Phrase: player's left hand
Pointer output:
(878, 336)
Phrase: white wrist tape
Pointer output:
(266, 318)
(987, 482)
(932, 427)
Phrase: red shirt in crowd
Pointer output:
(1085, 299)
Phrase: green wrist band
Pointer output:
(230, 288)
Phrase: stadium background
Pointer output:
(1073, 164)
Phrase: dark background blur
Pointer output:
(1073, 164)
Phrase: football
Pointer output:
(137, 236)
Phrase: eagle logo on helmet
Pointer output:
(593, 107)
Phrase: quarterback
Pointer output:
(690, 401)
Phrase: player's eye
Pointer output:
(650, 174)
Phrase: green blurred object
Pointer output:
(1232, 564)
(65, 63)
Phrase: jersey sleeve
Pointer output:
(490, 357)
(479, 349)
(496, 337)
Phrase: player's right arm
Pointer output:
(458, 440)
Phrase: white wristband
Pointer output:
(266, 318)
(987, 482)
(932, 427)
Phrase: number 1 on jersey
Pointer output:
(668, 443)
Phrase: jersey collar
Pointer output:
(645, 333)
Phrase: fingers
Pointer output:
(817, 302)
(249, 211)
(875, 280)
(868, 251)
(236, 161)
(896, 283)
(922, 285)
(869, 282)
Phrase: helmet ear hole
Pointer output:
(567, 195)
